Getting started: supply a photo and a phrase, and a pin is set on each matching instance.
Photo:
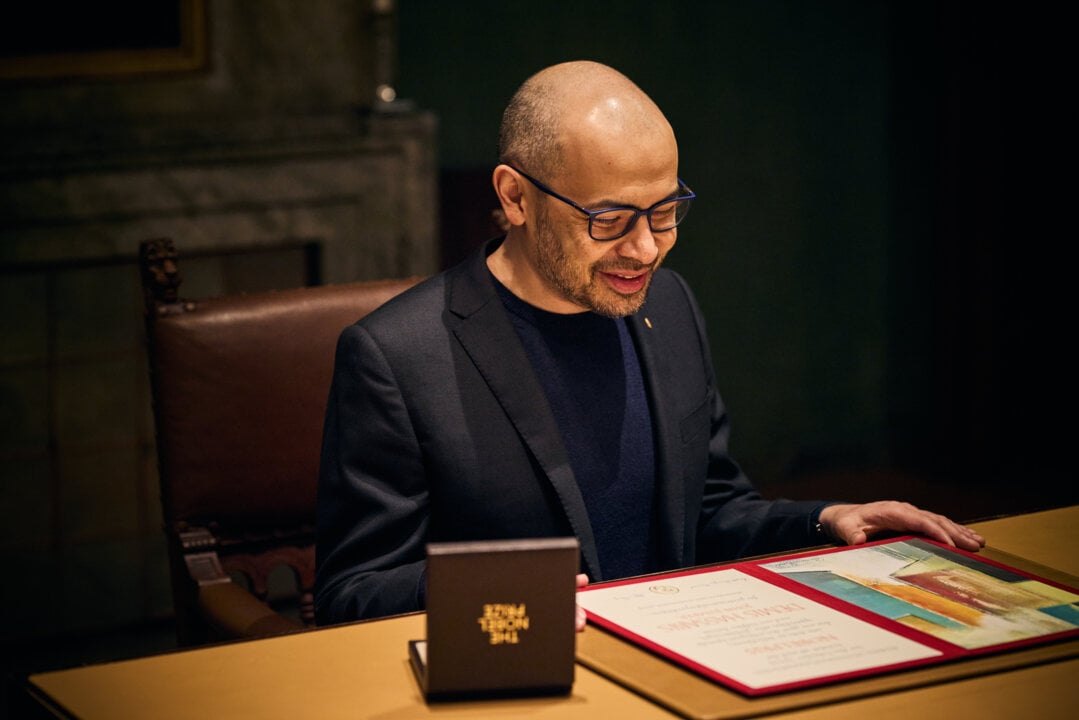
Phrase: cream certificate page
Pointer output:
(748, 630)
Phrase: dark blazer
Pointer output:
(438, 430)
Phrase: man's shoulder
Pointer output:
(669, 279)
(669, 289)
(427, 301)
(419, 301)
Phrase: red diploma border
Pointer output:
(949, 652)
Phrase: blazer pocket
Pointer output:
(697, 421)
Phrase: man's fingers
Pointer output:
(582, 616)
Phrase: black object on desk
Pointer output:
(500, 619)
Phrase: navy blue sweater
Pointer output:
(588, 367)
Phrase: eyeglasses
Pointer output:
(614, 222)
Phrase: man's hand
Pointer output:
(854, 524)
(582, 617)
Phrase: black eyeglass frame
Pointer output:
(637, 212)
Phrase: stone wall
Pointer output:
(282, 159)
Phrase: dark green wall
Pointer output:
(872, 244)
(782, 112)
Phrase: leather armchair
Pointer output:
(239, 387)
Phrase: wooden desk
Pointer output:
(361, 671)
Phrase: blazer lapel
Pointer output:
(656, 366)
(487, 335)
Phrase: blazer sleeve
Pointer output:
(373, 496)
(736, 520)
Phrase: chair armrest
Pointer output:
(236, 613)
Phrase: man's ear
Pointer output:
(508, 188)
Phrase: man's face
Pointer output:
(609, 278)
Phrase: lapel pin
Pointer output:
(648, 323)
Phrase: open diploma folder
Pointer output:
(500, 619)
(784, 623)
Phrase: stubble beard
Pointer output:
(582, 284)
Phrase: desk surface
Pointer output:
(362, 671)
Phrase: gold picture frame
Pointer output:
(189, 53)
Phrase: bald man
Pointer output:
(556, 383)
